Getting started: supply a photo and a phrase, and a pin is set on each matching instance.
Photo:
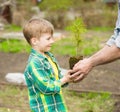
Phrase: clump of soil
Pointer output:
(74, 60)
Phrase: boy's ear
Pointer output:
(34, 41)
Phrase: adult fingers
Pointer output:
(79, 78)
(77, 64)
(76, 74)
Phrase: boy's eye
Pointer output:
(49, 38)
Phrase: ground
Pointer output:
(102, 78)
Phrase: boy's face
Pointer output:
(44, 43)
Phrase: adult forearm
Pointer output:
(105, 55)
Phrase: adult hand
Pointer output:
(81, 69)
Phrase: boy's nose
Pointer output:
(52, 40)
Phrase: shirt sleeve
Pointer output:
(111, 41)
(42, 80)
(117, 41)
(114, 39)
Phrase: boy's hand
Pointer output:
(66, 78)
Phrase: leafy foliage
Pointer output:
(77, 27)
(55, 5)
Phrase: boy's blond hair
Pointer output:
(35, 27)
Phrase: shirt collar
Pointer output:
(35, 53)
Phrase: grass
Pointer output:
(65, 46)
(104, 29)
(13, 27)
(89, 102)
(15, 99)
(13, 45)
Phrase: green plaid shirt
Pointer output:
(44, 90)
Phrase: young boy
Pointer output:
(42, 73)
